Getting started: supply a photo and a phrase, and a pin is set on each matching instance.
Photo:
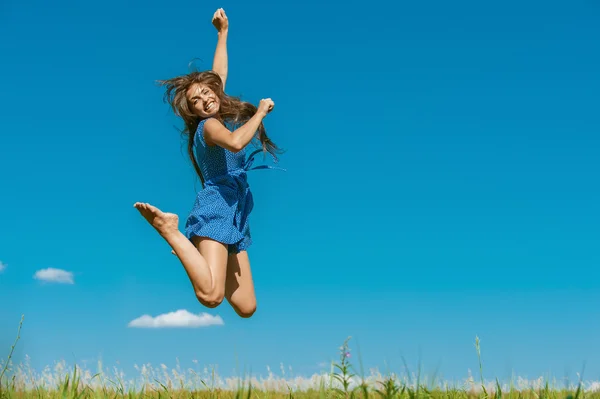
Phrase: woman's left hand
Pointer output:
(220, 21)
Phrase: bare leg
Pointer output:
(239, 287)
(215, 254)
(207, 284)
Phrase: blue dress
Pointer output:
(222, 208)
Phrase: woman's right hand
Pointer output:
(266, 105)
(220, 21)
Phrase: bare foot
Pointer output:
(165, 223)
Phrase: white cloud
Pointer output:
(54, 276)
(2, 266)
(179, 318)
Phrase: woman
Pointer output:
(213, 249)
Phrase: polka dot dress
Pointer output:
(222, 208)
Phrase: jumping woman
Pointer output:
(213, 248)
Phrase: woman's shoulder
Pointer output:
(200, 129)
(199, 134)
(227, 123)
(201, 124)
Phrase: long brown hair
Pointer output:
(232, 110)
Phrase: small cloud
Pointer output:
(322, 365)
(2, 266)
(54, 276)
(180, 318)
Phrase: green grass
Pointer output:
(342, 382)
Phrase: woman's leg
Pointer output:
(205, 263)
(215, 254)
(239, 287)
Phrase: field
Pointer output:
(344, 381)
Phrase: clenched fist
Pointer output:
(220, 21)
(266, 105)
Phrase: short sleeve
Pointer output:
(200, 133)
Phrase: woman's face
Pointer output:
(202, 100)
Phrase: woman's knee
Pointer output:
(246, 309)
(212, 299)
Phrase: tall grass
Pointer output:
(342, 382)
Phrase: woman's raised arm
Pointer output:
(220, 60)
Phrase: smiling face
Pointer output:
(202, 100)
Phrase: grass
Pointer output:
(341, 383)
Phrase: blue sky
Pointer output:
(442, 167)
